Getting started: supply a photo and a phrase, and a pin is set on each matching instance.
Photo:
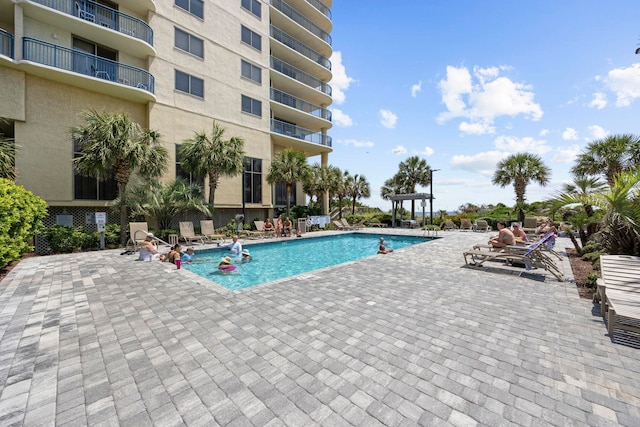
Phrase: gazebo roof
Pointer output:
(412, 196)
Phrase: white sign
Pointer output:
(101, 217)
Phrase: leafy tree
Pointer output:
(165, 202)
(357, 187)
(212, 156)
(609, 157)
(392, 187)
(318, 183)
(341, 187)
(520, 169)
(112, 144)
(413, 172)
(288, 166)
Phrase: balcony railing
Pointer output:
(321, 7)
(299, 75)
(294, 131)
(83, 63)
(299, 47)
(299, 104)
(301, 19)
(104, 16)
(6, 43)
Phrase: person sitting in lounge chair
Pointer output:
(148, 251)
(382, 247)
(519, 234)
(268, 226)
(286, 227)
(504, 238)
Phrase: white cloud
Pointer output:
(340, 119)
(416, 88)
(483, 163)
(570, 134)
(544, 132)
(481, 103)
(428, 151)
(597, 132)
(567, 154)
(356, 143)
(340, 82)
(399, 149)
(476, 128)
(625, 83)
(599, 100)
(512, 145)
(388, 119)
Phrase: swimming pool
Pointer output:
(284, 258)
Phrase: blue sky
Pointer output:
(463, 84)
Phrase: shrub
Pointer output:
(62, 238)
(112, 236)
(592, 281)
(22, 213)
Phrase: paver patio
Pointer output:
(409, 338)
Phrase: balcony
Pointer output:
(299, 47)
(106, 75)
(301, 20)
(321, 7)
(288, 78)
(300, 104)
(103, 16)
(6, 43)
(297, 132)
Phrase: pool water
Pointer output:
(276, 260)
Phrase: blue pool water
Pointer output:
(275, 260)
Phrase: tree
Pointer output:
(413, 172)
(112, 144)
(520, 169)
(165, 202)
(213, 157)
(609, 157)
(318, 183)
(357, 187)
(392, 187)
(288, 166)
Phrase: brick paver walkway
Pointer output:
(410, 338)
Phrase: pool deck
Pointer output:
(410, 338)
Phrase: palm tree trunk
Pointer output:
(123, 214)
(289, 187)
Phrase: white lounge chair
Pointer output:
(209, 232)
(137, 234)
(187, 233)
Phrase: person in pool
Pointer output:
(382, 247)
(174, 254)
(226, 265)
(189, 255)
(246, 256)
(236, 247)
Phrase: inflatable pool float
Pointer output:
(227, 268)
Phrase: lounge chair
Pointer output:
(449, 225)
(531, 256)
(482, 225)
(346, 224)
(259, 231)
(209, 232)
(530, 225)
(137, 233)
(187, 233)
(465, 224)
(339, 225)
(619, 292)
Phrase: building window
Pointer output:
(92, 188)
(251, 72)
(189, 43)
(194, 7)
(251, 38)
(253, 6)
(251, 106)
(252, 180)
(189, 84)
(187, 176)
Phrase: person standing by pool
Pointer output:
(279, 226)
(382, 247)
(236, 246)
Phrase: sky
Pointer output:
(464, 84)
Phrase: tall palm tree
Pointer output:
(113, 144)
(414, 171)
(335, 183)
(609, 157)
(288, 166)
(318, 184)
(520, 169)
(391, 187)
(212, 156)
(583, 186)
(357, 187)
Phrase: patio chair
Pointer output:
(346, 224)
(187, 233)
(482, 225)
(137, 233)
(465, 224)
(449, 225)
(209, 232)
(258, 232)
(619, 292)
(530, 225)
(339, 225)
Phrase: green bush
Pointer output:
(112, 236)
(22, 213)
(592, 281)
(64, 239)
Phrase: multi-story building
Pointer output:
(259, 68)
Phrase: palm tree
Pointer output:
(288, 166)
(609, 157)
(414, 171)
(520, 169)
(165, 202)
(335, 183)
(318, 183)
(391, 187)
(112, 144)
(213, 157)
(7, 158)
(357, 187)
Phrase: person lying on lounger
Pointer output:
(504, 238)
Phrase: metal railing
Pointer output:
(321, 7)
(6, 43)
(299, 47)
(299, 104)
(81, 62)
(294, 131)
(302, 20)
(104, 16)
(299, 75)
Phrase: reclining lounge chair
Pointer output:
(187, 233)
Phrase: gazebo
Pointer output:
(414, 196)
